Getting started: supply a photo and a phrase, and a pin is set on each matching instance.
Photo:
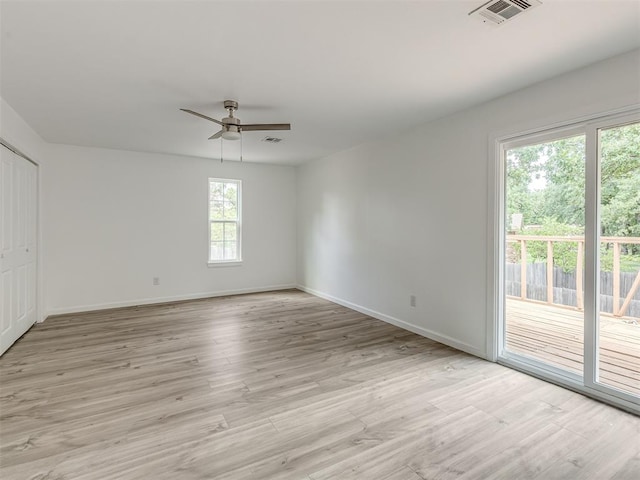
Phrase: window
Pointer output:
(224, 221)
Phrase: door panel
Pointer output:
(21, 293)
(31, 291)
(6, 290)
(544, 206)
(618, 326)
(20, 207)
(6, 197)
(18, 255)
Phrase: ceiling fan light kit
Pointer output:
(231, 133)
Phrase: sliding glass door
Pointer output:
(545, 207)
(570, 256)
(617, 332)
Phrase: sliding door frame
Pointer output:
(498, 145)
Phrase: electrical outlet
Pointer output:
(412, 300)
(156, 280)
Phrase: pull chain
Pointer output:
(240, 147)
(220, 149)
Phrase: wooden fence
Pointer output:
(550, 271)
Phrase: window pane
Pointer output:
(217, 210)
(217, 251)
(544, 252)
(216, 191)
(230, 201)
(230, 211)
(230, 191)
(230, 251)
(217, 232)
(619, 316)
(230, 231)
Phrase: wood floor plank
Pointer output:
(287, 386)
(630, 470)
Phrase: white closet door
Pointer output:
(18, 220)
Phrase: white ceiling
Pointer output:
(114, 74)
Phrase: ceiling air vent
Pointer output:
(499, 11)
(271, 139)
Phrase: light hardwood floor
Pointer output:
(284, 385)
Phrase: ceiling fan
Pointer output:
(231, 126)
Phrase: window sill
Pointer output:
(232, 263)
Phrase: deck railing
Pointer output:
(616, 242)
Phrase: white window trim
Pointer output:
(225, 263)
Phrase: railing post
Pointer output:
(632, 292)
(617, 242)
(616, 278)
(579, 269)
(549, 271)
(523, 269)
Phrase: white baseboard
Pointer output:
(452, 342)
(154, 300)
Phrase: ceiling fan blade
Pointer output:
(216, 135)
(201, 116)
(265, 126)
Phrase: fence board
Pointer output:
(564, 286)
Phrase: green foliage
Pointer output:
(547, 181)
(620, 182)
(565, 254)
(546, 184)
(223, 200)
(629, 262)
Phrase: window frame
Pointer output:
(238, 222)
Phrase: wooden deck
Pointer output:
(555, 335)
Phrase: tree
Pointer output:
(547, 181)
(620, 182)
(546, 184)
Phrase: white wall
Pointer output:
(113, 220)
(409, 216)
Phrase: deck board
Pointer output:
(555, 335)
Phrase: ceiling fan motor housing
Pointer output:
(231, 127)
(230, 104)
(231, 121)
